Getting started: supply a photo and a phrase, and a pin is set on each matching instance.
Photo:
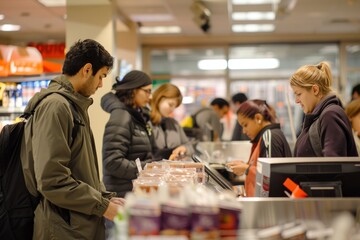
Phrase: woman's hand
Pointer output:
(177, 152)
(238, 167)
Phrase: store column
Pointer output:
(94, 22)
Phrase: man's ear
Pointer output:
(87, 69)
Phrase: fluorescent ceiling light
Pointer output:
(238, 16)
(151, 17)
(253, 27)
(246, 2)
(9, 28)
(53, 3)
(2, 16)
(212, 64)
(160, 30)
(254, 63)
(188, 100)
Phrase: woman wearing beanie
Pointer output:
(170, 139)
(127, 133)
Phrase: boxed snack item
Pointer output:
(143, 215)
(147, 184)
(204, 222)
(175, 220)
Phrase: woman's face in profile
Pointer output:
(251, 127)
(167, 106)
(142, 96)
(305, 98)
(355, 122)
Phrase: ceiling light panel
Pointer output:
(253, 27)
(160, 30)
(151, 17)
(252, 16)
(53, 3)
(246, 2)
(254, 63)
(9, 28)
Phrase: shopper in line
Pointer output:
(61, 167)
(258, 123)
(352, 110)
(326, 129)
(170, 139)
(127, 133)
(355, 93)
(237, 99)
(208, 118)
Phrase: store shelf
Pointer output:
(11, 110)
(18, 79)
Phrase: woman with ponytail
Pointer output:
(257, 119)
(326, 130)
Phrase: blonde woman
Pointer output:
(170, 139)
(353, 112)
(325, 118)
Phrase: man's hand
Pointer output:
(111, 210)
(118, 201)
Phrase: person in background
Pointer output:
(237, 99)
(258, 123)
(127, 134)
(169, 137)
(65, 172)
(355, 93)
(311, 85)
(352, 110)
(209, 117)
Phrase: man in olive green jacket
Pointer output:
(63, 168)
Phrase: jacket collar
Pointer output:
(271, 126)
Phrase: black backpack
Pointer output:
(17, 205)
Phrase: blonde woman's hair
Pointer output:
(166, 90)
(309, 75)
(353, 108)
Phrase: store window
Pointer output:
(198, 72)
(262, 71)
(259, 70)
(353, 68)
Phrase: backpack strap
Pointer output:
(193, 116)
(76, 117)
(314, 137)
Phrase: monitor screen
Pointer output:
(213, 176)
(318, 177)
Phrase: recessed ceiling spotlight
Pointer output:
(24, 14)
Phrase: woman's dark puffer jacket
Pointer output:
(126, 138)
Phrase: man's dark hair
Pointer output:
(219, 102)
(356, 89)
(239, 98)
(83, 52)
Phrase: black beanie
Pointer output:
(133, 79)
